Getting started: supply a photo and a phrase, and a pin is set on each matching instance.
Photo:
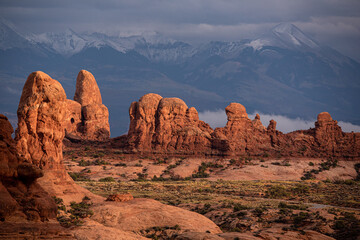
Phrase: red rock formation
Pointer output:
(120, 197)
(142, 121)
(241, 136)
(41, 114)
(21, 197)
(40, 134)
(86, 117)
(166, 124)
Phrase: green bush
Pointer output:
(239, 207)
(277, 191)
(347, 227)
(77, 176)
(300, 219)
(84, 163)
(107, 179)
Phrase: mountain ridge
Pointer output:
(276, 78)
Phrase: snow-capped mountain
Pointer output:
(153, 46)
(285, 35)
(283, 71)
(67, 43)
(11, 38)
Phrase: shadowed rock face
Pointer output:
(21, 197)
(167, 125)
(86, 117)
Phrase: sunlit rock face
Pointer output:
(87, 118)
(166, 125)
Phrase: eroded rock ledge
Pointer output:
(167, 125)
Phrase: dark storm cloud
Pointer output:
(333, 22)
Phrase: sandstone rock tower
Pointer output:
(86, 116)
(41, 114)
(166, 124)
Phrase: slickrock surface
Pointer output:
(167, 125)
(86, 117)
(140, 214)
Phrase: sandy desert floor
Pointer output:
(263, 196)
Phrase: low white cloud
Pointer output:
(13, 91)
(349, 127)
(215, 118)
(285, 124)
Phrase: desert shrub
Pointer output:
(107, 179)
(324, 166)
(357, 169)
(77, 176)
(158, 179)
(232, 161)
(171, 166)
(301, 189)
(205, 209)
(141, 176)
(239, 207)
(77, 212)
(311, 164)
(300, 219)
(120, 165)
(80, 210)
(276, 163)
(87, 148)
(60, 203)
(99, 162)
(307, 175)
(259, 211)
(277, 191)
(84, 163)
(283, 205)
(98, 155)
(347, 227)
(201, 171)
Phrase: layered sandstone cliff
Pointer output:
(167, 125)
(158, 124)
(86, 117)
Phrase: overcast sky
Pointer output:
(332, 22)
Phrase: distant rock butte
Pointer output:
(167, 125)
(86, 117)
